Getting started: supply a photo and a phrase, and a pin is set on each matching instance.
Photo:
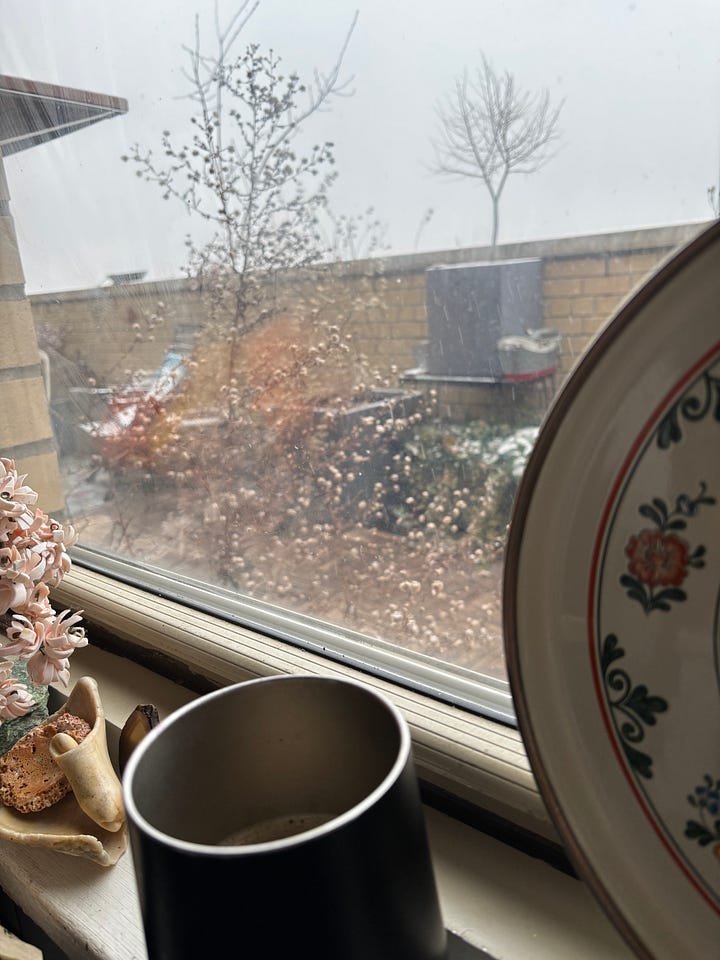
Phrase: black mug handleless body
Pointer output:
(281, 818)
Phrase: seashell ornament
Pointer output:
(90, 821)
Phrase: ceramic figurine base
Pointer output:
(73, 825)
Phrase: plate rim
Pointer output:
(559, 409)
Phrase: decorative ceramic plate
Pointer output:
(612, 611)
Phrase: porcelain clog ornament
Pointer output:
(90, 821)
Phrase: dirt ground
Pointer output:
(439, 602)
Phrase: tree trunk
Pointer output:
(496, 222)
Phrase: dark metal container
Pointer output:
(251, 765)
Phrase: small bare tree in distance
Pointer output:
(490, 128)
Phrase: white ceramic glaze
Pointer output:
(90, 824)
(612, 607)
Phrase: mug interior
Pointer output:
(264, 760)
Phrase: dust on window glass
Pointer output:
(302, 302)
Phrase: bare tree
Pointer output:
(242, 173)
(490, 128)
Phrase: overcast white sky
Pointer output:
(641, 121)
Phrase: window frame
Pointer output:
(464, 760)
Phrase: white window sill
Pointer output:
(493, 897)
(474, 758)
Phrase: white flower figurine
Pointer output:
(33, 558)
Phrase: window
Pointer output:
(297, 332)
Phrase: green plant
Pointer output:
(459, 480)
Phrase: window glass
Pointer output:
(304, 279)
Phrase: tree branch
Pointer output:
(490, 129)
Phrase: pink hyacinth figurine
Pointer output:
(35, 641)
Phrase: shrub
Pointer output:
(459, 481)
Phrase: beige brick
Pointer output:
(587, 329)
(619, 264)
(556, 308)
(575, 347)
(415, 297)
(579, 307)
(618, 284)
(18, 331)
(605, 307)
(372, 322)
(582, 307)
(401, 358)
(383, 331)
(563, 324)
(635, 262)
(571, 267)
(574, 325)
(372, 348)
(563, 288)
(451, 394)
(44, 477)
(409, 314)
(407, 331)
(10, 265)
(381, 285)
(25, 413)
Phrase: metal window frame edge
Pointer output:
(474, 757)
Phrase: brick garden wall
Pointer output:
(581, 293)
(380, 303)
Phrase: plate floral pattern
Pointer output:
(656, 572)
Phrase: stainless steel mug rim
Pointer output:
(353, 813)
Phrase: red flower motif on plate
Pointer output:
(657, 558)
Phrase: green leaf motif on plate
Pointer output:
(633, 707)
(706, 800)
(659, 559)
(693, 406)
